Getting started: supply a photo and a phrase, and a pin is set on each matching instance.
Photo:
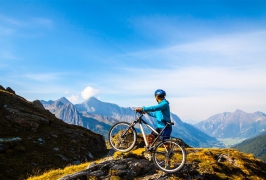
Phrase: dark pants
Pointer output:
(165, 134)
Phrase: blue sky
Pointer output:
(209, 56)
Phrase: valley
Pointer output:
(229, 142)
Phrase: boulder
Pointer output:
(38, 104)
(10, 90)
(126, 168)
(2, 88)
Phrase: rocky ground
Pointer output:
(204, 164)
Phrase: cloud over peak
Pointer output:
(89, 92)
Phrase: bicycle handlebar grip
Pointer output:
(167, 122)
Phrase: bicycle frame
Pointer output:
(141, 121)
(166, 154)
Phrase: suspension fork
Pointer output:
(130, 127)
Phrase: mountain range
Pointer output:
(238, 124)
(99, 116)
(33, 140)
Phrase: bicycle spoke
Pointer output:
(169, 156)
(122, 137)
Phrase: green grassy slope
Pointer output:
(256, 146)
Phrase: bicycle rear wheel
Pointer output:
(169, 156)
(122, 137)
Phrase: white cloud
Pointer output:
(6, 31)
(202, 78)
(89, 92)
(43, 76)
(194, 79)
(28, 23)
(194, 92)
(11, 21)
(230, 49)
(42, 22)
(7, 55)
(73, 99)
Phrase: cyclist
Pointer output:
(161, 112)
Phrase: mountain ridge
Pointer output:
(237, 124)
(103, 112)
(256, 146)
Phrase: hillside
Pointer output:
(33, 140)
(207, 164)
(238, 124)
(256, 146)
(99, 116)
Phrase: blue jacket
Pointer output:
(161, 111)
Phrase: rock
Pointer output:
(2, 148)
(54, 135)
(10, 90)
(38, 104)
(63, 157)
(224, 158)
(181, 142)
(76, 162)
(26, 123)
(11, 145)
(120, 167)
(127, 168)
(2, 88)
(97, 173)
(3, 140)
(19, 148)
(90, 155)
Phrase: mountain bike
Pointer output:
(167, 154)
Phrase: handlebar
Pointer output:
(167, 122)
(143, 112)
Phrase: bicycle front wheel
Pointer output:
(169, 156)
(122, 137)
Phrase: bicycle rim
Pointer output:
(121, 137)
(169, 156)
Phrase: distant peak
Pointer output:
(64, 100)
(92, 99)
(238, 110)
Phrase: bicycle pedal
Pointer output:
(150, 149)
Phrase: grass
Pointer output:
(58, 173)
(135, 152)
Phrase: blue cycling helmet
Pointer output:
(160, 93)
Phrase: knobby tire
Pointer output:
(121, 137)
(169, 156)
